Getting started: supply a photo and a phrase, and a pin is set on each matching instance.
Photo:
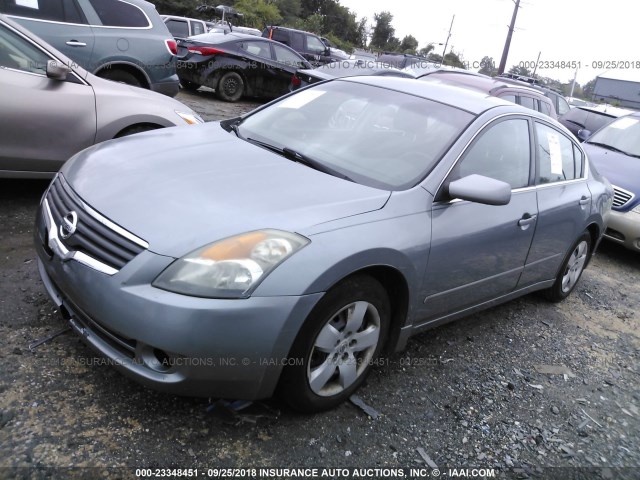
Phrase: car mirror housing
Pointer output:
(57, 71)
(583, 134)
(480, 189)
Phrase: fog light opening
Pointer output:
(163, 360)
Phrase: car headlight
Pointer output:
(191, 118)
(230, 268)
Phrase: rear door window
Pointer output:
(286, 56)
(556, 155)
(297, 41)
(527, 102)
(118, 13)
(257, 49)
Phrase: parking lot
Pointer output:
(520, 388)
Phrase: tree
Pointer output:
(258, 13)
(362, 33)
(427, 50)
(488, 67)
(588, 88)
(409, 44)
(383, 33)
(289, 9)
(453, 59)
(522, 71)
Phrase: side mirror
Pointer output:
(480, 189)
(583, 134)
(57, 71)
(327, 52)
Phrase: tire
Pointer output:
(337, 344)
(572, 267)
(120, 76)
(136, 129)
(230, 87)
(190, 86)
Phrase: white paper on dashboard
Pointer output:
(28, 3)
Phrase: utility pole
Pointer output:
(507, 43)
(448, 37)
(573, 84)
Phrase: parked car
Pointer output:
(344, 68)
(560, 103)
(51, 108)
(120, 40)
(403, 60)
(310, 46)
(329, 225)
(358, 54)
(184, 27)
(578, 102)
(615, 151)
(522, 95)
(237, 65)
(584, 121)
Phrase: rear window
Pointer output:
(118, 13)
(55, 10)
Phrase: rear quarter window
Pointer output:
(55, 10)
(118, 13)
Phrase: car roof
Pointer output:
(481, 83)
(219, 37)
(472, 101)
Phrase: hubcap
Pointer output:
(231, 86)
(343, 349)
(575, 265)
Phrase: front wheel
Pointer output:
(230, 87)
(337, 345)
(120, 76)
(571, 270)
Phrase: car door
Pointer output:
(478, 251)
(262, 71)
(60, 23)
(287, 63)
(564, 202)
(44, 121)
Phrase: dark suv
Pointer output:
(310, 46)
(121, 40)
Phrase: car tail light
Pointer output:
(295, 81)
(172, 46)
(204, 50)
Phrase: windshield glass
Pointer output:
(377, 137)
(622, 134)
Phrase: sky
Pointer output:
(593, 34)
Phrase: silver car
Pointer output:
(330, 225)
(52, 109)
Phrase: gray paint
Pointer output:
(625, 92)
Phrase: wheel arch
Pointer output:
(128, 67)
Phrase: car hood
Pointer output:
(182, 188)
(620, 169)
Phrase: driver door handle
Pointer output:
(526, 220)
(76, 43)
(584, 200)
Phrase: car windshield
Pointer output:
(622, 134)
(375, 136)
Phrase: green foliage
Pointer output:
(409, 44)
(383, 33)
(258, 13)
(488, 67)
(289, 9)
(519, 70)
(427, 50)
(588, 88)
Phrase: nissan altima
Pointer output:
(328, 227)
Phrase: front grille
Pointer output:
(93, 236)
(621, 197)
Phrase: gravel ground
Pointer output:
(529, 388)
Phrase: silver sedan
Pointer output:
(328, 226)
(52, 109)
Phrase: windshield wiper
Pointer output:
(300, 158)
(608, 147)
(313, 163)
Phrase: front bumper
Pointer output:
(624, 228)
(184, 345)
(169, 87)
